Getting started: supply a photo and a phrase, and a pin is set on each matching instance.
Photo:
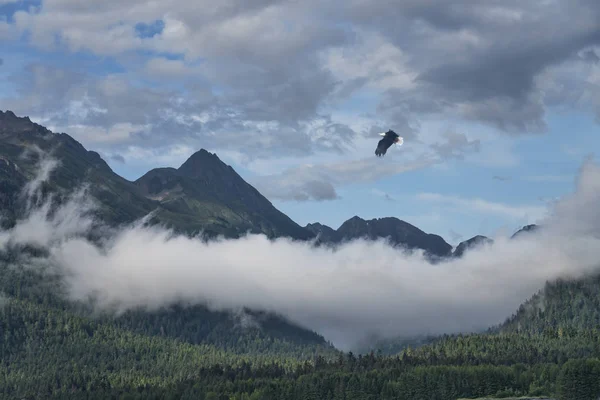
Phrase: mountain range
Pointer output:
(142, 352)
(203, 195)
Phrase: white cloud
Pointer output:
(374, 59)
(163, 67)
(361, 289)
(286, 61)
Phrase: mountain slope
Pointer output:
(208, 194)
(120, 200)
(400, 234)
(562, 305)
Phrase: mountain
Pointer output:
(203, 194)
(479, 240)
(206, 194)
(400, 233)
(474, 242)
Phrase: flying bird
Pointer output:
(389, 138)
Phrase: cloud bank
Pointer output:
(361, 289)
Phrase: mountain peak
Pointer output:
(11, 123)
(206, 186)
(203, 163)
(398, 231)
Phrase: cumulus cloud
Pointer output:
(360, 289)
(483, 61)
(110, 114)
(456, 145)
(256, 76)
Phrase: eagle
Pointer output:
(389, 138)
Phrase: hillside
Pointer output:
(561, 307)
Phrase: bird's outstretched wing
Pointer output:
(382, 147)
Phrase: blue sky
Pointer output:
(293, 95)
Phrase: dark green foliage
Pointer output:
(560, 307)
(579, 379)
(52, 349)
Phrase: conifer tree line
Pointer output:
(53, 348)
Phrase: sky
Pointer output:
(498, 107)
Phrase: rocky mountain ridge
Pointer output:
(203, 195)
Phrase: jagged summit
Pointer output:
(204, 164)
(10, 123)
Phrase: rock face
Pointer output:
(324, 233)
(400, 233)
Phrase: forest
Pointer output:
(53, 348)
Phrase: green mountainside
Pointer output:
(562, 306)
